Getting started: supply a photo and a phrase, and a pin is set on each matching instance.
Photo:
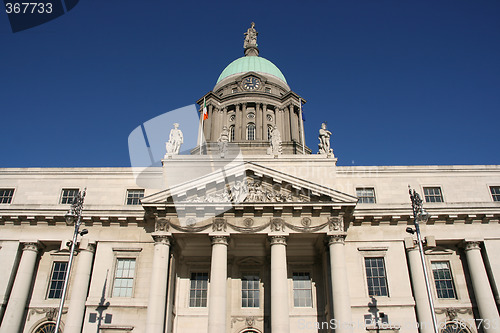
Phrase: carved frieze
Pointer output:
(244, 191)
(336, 223)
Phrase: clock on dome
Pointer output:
(251, 83)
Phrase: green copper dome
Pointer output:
(251, 64)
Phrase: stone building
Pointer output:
(269, 237)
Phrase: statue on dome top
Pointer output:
(324, 140)
(250, 36)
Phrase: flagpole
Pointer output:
(202, 121)
(302, 122)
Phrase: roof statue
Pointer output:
(324, 140)
(250, 43)
(175, 141)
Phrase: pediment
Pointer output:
(248, 184)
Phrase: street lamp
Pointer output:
(421, 215)
(73, 216)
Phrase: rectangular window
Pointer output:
(375, 276)
(134, 197)
(6, 195)
(124, 277)
(57, 279)
(443, 279)
(250, 290)
(495, 193)
(366, 194)
(198, 290)
(302, 290)
(433, 194)
(69, 195)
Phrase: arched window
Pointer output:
(251, 131)
(231, 133)
(269, 131)
(47, 328)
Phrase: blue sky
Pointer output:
(399, 82)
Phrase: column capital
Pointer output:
(336, 239)
(472, 245)
(161, 238)
(224, 240)
(277, 240)
(31, 246)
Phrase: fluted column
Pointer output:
(280, 316)
(340, 285)
(80, 288)
(422, 306)
(14, 313)
(243, 120)
(157, 301)
(224, 117)
(218, 285)
(484, 296)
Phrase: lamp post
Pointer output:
(73, 216)
(421, 215)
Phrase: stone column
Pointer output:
(484, 296)
(243, 120)
(225, 122)
(278, 114)
(155, 318)
(79, 288)
(258, 121)
(208, 123)
(287, 125)
(280, 316)
(14, 313)
(294, 126)
(422, 307)
(264, 122)
(340, 285)
(237, 123)
(218, 285)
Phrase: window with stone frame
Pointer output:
(6, 195)
(366, 194)
(123, 283)
(443, 279)
(198, 290)
(231, 133)
(57, 277)
(495, 193)
(250, 290)
(134, 197)
(433, 194)
(376, 277)
(251, 132)
(68, 195)
(302, 289)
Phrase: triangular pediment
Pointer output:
(248, 184)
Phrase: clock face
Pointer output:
(251, 83)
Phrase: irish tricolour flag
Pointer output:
(205, 111)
